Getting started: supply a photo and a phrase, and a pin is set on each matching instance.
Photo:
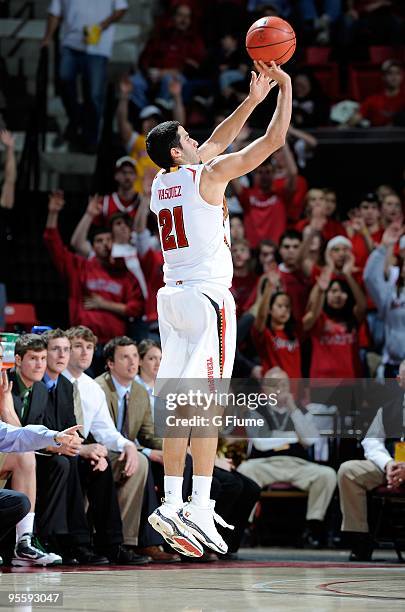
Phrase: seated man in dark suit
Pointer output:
(29, 398)
(382, 464)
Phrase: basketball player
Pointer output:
(196, 310)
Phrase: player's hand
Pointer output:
(260, 85)
(273, 72)
(7, 139)
(100, 465)
(130, 456)
(93, 452)
(56, 201)
(397, 474)
(94, 206)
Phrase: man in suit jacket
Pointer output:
(357, 477)
(29, 398)
(129, 407)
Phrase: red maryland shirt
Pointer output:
(360, 250)
(87, 276)
(152, 267)
(114, 204)
(295, 205)
(335, 350)
(244, 292)
(276, 349)
(265, 215)
(331, 228)
(298, 286)
(380, 109)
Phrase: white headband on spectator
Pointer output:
(338, 240)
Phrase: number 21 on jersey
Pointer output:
(172, 226)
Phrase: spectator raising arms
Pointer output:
(335, 310)
(389, 299)
(102, 295)
(274, 332)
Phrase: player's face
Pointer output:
(330, 202)
(188, 148)
(81, 354)
(237, 228)
(339, 254)
(335, 297)
(392, 208)
(150, 363)
(240, 255)
(125, 177)
(121, 233)
(289, 251)
(126, 363)
(370, 213)
(58, 354)
(281, 309)
(32, 366)
(102, 246)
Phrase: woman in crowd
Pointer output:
(274, 332)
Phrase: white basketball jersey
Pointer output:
(194, 235)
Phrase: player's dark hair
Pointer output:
(120, 215)
(291, 234)
(160, 140)
(80, 332)
(145, 345)
(54, 334)
(109, 349)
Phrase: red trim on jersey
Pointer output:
(222, 340)
(194, 172)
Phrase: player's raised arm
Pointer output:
(231, 166)
(226, 132)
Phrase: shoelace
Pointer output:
(218, 519)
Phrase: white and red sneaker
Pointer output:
(165, 520)
(200, 523)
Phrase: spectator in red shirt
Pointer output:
(294, 278)
(274, 334)
(316, 211)
(102, 294)
(386, 107)
(265, 214)
(288, 183)
(365, 229)
(244, 280)
(125, 199)
(335, 310)
(175, 49)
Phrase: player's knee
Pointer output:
(346, 472)
(328, 476)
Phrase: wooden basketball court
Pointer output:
(320, 584)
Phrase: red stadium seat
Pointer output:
(20, 315)
(379, 54)
(328, 77)
(363, 82)
(317, 55)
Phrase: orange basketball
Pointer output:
(271, 39)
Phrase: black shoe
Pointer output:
(85, 556)
(126, 556)
(362, 548)
(312, 536)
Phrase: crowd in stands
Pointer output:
(319, 294)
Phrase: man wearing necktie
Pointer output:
(129, 407)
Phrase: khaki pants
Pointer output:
(355, 478)
(130, 495)
(318, 480)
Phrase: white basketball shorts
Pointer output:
(197, 331)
